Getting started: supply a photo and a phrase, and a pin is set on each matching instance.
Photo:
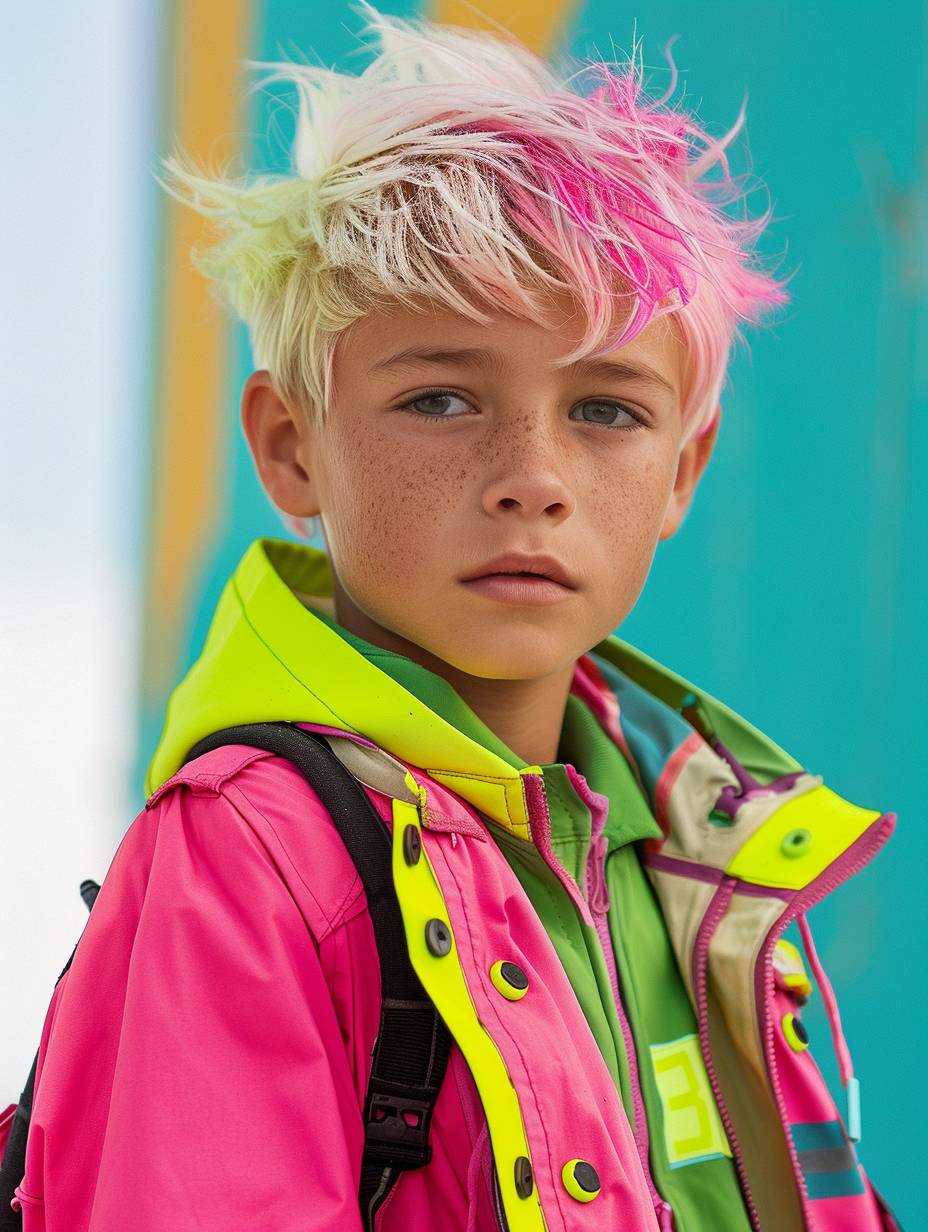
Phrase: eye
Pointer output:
(440, 403)
(435, 404)
(605, 413)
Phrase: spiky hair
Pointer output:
(459, 168)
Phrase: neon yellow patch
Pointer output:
(693, 1129)
(833, 823)
(420, 900)
(789, 951)
(800, 983)
(788, 961)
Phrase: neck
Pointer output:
(527, 715)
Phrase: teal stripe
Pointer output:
(834, 1184)
(697, 1159)
(818, 1135)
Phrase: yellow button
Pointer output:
(794, 1032)
(581, 1180)
(796, 843)
(509, 979)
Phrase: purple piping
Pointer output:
(714, 876)
(731, 798)
(746, 780)
(752, 890)
(684, 868)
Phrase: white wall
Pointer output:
(78, 89)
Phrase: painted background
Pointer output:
(795, 590)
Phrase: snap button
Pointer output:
(794, 1032)
(581, 1180)
(412, 844)
(796, 843)
(509, 979)
(438, 938)
(523, 1174)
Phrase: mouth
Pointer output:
(530, 574)
(518, 588)
(519, 565)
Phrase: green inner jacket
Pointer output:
(701, 1186)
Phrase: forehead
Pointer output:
(401, 338)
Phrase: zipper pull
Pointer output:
(845, 1065)
(692, 709)
(598, 894)
(853, 1109)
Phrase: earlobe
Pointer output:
(278, 440)
(692, 462)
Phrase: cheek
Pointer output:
(627, 503)
(386, 509)
(626, 507)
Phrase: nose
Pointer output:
(531, 487)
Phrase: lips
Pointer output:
(516, 563)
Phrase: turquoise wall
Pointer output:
(795, 589)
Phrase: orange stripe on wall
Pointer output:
(188, 434)
(189, 430)
(537, 23)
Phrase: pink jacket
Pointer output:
(212, 1034)
(204, 1060)
(196, 1105)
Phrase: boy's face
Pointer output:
(499, 452)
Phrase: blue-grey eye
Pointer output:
(435, 405)
(605, 413)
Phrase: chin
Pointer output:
(519, 656)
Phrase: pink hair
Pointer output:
(459, 167)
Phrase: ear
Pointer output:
(280, 439)
(691, 463)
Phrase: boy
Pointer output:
(594, 860)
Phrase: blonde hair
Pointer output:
(460, 168)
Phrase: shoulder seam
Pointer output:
(208, 782)
(335, 917)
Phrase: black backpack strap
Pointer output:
(13, 1165)
(411, 1051)
(14, 1157)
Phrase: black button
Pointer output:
(513, 974)
(801, 1033)
(438, 938)
(523, 1174)
(586, 1177)
(412, 844)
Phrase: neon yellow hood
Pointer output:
(267, 657)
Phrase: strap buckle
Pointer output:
(396, 1129)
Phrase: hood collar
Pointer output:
(267, 657)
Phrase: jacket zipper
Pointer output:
(474, 1131)
(859, 854)
(501, 1221)
(710, 922)
(540, 824)
(598, 902)
(854, 859)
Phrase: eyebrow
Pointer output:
(494, 360)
